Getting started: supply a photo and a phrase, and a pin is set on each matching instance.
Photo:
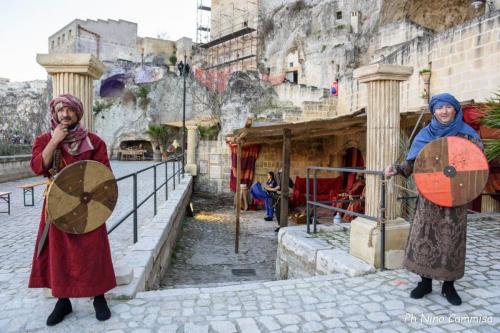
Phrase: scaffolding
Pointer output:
(203, 22)
(233, 45)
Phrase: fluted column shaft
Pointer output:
(383, 129)
(74, 74)
(80, 86)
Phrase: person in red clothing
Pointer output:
(71, 265)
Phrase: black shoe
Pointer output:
(102, 311)
(277, 229)
(268, 218)
(62, 308)
(450, 293)
(423, 288)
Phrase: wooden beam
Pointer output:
(285, 176)
(238, 198)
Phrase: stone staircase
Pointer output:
(323, 108)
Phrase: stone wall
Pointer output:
(462, 61)
(296, 94)
(150, 256)
(15, 167)
(117, 39)
(327, 151)
(214, 166)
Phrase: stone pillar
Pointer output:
(383, 127)
(382, 138)
(191, 166)
(489, 204)
(74, 74)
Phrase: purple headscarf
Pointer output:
(77, 140)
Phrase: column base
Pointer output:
(192, 169)
(365, 241)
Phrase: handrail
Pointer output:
(380, 218)
(136, 205)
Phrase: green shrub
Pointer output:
(100, 106)
(14, 149)
(172, 59)
(492, 119)
(208, 132)
(143, 92)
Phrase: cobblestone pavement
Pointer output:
(205, 249)
(374, 303)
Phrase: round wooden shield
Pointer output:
(451, 171)
(82, 197)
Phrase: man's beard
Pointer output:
(72, 126)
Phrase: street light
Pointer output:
(185, 72)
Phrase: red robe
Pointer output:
(72, 265)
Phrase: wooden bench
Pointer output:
(30, 188)
(5, 196)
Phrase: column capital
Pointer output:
(379, 72)
(191, 127)
(81, 63)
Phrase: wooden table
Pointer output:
(5, 196)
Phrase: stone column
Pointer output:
(489, 204)
(74, 74)
(191, 166)
(383, 127)
(382, 138)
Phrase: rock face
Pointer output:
(23, 110)
(435, 15)
(246, 96)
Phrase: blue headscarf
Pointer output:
(436, 130)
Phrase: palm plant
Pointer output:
(492, 119)
(160, 135)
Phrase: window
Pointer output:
(69, 34)
(58, 41)
(63, 36)
(52, 44)
(290, 64)
(339, 15)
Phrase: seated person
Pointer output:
(352, 192)
(265, 192)
(355, 206)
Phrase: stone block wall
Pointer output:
(297, 94)
(327, 151)
(214, 159)
(214, 166)
(462, 60)
(15, 167)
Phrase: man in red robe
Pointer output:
(71, 265)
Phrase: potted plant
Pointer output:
(425, 74)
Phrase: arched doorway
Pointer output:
(352, 158)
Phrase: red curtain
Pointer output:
(249, 156)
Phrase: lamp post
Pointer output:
(184, 68)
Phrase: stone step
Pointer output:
(212, 284)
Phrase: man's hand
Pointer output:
(60, 132)
(390, 171)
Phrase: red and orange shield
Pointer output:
(451, 171)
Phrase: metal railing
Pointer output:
(177, 160)
(314, 203)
